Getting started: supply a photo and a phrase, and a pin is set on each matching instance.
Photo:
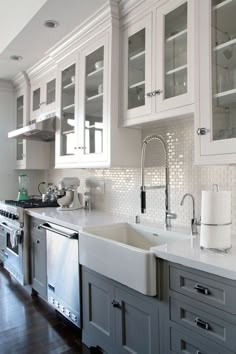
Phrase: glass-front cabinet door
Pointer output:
(217, 128)
(67, 135)
(20, 108)
(137, 61)
(174, 55)
(93, 102)
(50, 95)
(36, 98)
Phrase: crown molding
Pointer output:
(127, 6)
(101, 20)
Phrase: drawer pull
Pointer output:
(116, 304)
(202, 289)
(198, 352)
(202, 324)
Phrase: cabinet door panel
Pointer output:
(218, 78)
(174, 55)
(50, 96)
(98, 314)
(93, 124)
(67, 141)
(36, 97)
(137, 68)
(136, 324)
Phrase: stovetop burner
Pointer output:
(32, 203)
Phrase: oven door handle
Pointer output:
(5, 226)
(48, 227)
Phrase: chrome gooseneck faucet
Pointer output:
(168, 214)
(194, 221)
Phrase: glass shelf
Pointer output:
(226, 98)
(176, 36)
(96, 72)
(69, 86)
(137, 56)
(173, 71)
(69, 109)
(137, 84)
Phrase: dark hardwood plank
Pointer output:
(30, 326)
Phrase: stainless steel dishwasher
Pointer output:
(63, 271)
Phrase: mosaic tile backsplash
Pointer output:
(122, 185)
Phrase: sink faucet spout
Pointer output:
(168, 214)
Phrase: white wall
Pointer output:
(8, 177)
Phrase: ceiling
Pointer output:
(28, 37)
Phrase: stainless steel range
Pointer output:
(14, 240)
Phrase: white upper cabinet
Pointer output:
(137, 62)
(158, 64)
(28, 154)
(43, 97)
(67, 111)
(174, 53)
(215, 128)
(93, 124)
(88, 110)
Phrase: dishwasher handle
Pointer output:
(48, 227)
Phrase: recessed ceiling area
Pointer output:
(30, 38)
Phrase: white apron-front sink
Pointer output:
(123, 252)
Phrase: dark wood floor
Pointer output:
(29, 326)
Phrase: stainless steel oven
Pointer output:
(12, 236)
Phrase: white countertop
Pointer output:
(190, 255)
(183, 251)
(76, 219)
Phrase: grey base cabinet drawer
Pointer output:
(116, 319)
(203, 323)
(203, 288)
(183, 341)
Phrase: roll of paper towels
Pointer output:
(216, 207)
(216, 220)
(215, 237)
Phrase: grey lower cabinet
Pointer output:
(38, 258)
(202, 309)
(116, 318)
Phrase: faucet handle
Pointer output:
(170, 215)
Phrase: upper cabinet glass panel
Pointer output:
(68, 111)
(19, 111)
(19, 124)
(223, 69)
(94, 120)
(136, 70)
(51, 92)
(176, 65)
(36, 99)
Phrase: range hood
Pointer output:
(40, 130)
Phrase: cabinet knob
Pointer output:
(157, 92)
(37, 241)
(202, 131)
(116, 304)
(154, 93)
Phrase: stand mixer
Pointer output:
(70, 201)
